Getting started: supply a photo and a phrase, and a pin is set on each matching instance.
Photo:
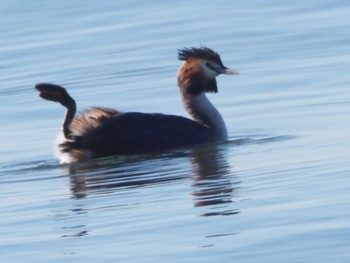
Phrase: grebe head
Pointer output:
(206, 60)
(200, 68)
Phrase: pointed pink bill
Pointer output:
(229, 71)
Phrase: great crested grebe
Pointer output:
(100, 132)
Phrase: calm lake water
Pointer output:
(278, 191)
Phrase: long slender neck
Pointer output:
(70, 104)
(59, 94)
(192, 90)
(68, 118)
(203, 112)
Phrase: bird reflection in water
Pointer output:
(101, 176)
(212, 176)
(214, 184)
(212, 181)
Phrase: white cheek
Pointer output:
(209, 72)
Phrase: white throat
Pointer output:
(203, 111)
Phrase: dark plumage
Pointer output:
(114, 136)
(200, 53)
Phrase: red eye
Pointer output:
(210, 66)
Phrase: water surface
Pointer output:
(278, 191)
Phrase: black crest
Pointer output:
(200, 53)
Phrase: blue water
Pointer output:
(278, 191)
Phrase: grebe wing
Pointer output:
(139, 133)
